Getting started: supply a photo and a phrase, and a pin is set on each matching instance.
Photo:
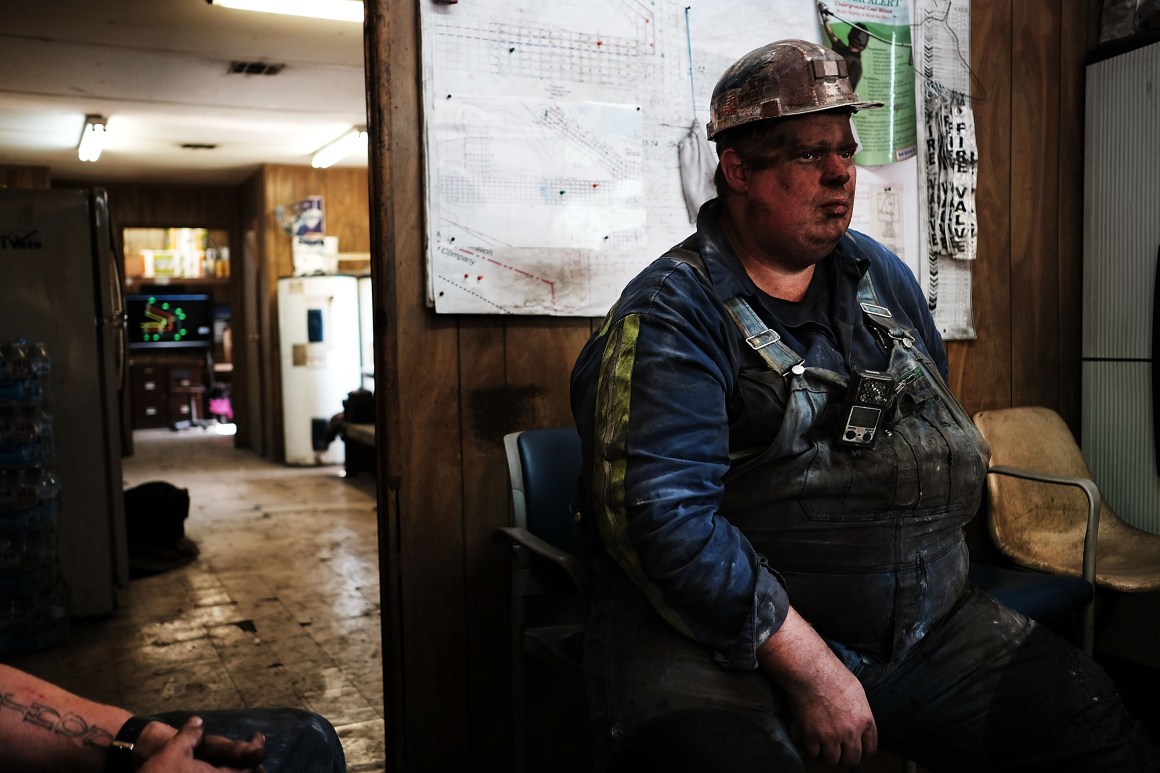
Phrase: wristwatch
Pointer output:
(120, 759)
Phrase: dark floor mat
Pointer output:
(145, 560)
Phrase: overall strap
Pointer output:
(878, 314)
(758, 335)
(763, 340)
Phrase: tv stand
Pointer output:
(167, 389)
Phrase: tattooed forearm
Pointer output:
(67, 725)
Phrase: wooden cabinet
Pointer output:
(167, 391)
(149, 391)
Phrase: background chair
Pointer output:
(549, 585)
(1037, 524)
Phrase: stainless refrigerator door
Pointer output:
(1121, 404)
(1121, 206)
(49, 256)
(1117, 436)
(114, 346)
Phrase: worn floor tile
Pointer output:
(281, 608)
(365, 746)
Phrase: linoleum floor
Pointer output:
(281, 607)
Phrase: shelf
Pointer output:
(165, 281)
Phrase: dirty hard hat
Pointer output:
(787, 77)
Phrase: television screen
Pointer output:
(169, 321)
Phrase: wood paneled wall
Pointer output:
(450, 387)
(344, 193)
(170, 206)
(13, 176)
(1029, 59)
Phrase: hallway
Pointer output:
(281, 607)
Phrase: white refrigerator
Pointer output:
(366, 323)
(61, 273)
(318, 329)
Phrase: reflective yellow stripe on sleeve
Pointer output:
(613, 393)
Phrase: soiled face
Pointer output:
(797, 189)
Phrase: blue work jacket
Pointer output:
(671, 404)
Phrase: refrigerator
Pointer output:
(1120, 426)
(60, 266)
(318, 331)
(1120, 253)
(366, 332)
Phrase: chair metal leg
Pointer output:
(517, 665)
(1089, 628)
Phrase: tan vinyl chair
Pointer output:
(1048, 528)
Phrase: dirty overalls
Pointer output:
(869, 544)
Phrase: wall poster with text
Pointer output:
(873, 36)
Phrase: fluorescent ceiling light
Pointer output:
(92, 138)
(346, 145)
(334, 10)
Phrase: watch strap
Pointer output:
(120, 758)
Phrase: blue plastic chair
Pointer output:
(549, 585)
